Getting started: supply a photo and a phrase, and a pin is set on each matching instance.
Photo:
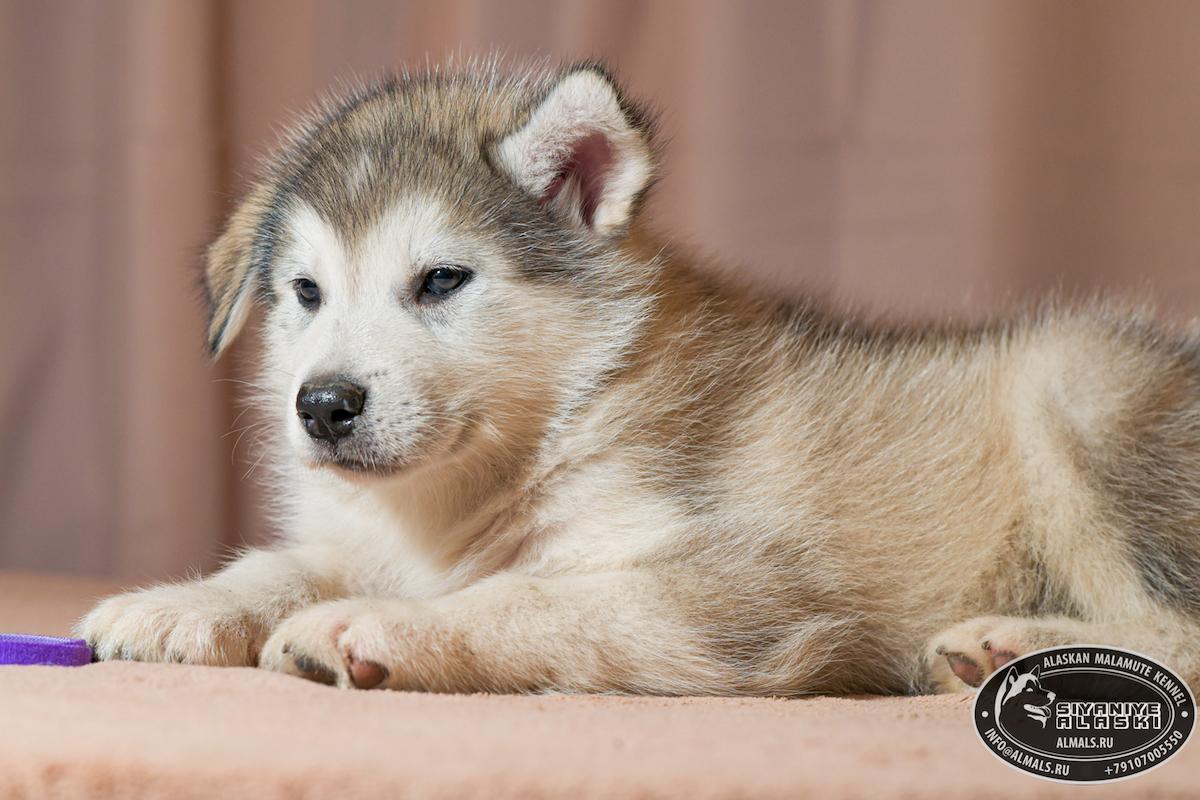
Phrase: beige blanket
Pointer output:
(141, 730)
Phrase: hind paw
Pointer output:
(963, 656)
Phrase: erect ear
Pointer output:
(228, 274)
(1036, 671)
(583, 152)
(1011, 676)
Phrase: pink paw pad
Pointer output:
(999, 655)
(965, 668)
(365, 674)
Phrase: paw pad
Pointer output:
(965, 669)
(366, 674)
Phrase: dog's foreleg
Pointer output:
(221, 620)
(509, 633)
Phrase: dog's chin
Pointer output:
(355, 466)
(359, 470)
(363, 459)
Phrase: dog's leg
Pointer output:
(221, 620)
(962, 657)
(508, 633)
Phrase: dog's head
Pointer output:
(442, 261)
(1023, 693)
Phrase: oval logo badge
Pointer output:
(1084, 713)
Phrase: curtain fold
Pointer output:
(916, 158)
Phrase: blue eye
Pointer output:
(441, 281)
(307, 292)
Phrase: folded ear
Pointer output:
(229, 274)
(584, 152)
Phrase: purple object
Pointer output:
(17, 648)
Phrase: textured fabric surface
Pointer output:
(47, 650)
(169, 731)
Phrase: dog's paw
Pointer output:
(963, 656)
(189, 623)
(352, 644)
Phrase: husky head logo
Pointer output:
(1023, 693)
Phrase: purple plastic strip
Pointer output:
(17, 648)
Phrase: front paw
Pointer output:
(352, 644)
(189, 623)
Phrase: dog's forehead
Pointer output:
(358, 188)
(426, 137)
(414, 228)
(432, 139)
(370, 206)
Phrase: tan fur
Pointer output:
(626, 475)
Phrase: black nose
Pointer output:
(328, 409)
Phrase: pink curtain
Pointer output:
(916, 158)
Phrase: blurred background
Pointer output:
(917, 159)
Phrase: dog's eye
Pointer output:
(441, 281)
(307, 292)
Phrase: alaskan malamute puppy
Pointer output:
(523, 447)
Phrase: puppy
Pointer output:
(522, 446)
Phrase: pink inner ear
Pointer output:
(590, 160)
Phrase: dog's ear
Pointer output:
(229, 281)
(1036, 672)
(1011, 677)
(584, 152)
